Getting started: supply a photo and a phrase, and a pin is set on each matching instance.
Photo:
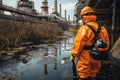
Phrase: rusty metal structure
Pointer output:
(30, 16)
(106, 11)
(25, 5)
(25, 12)
(103, 10)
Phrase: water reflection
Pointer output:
(41, 64)
(45, 69)
(8, 69)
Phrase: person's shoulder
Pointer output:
(83, 28)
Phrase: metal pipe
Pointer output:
(60, 10)
(113, 22)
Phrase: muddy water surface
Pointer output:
(48, 62)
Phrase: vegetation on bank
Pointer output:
(14, 33)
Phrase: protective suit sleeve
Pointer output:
(79, 42)
(107, 40)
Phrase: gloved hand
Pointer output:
(72, 58)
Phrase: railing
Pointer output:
(2, 16)
(11, 9)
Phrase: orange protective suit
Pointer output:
(86, 65)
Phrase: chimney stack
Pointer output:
(44, 7)
(55, 10)
(65, 15)
(60, 10)
(1, 12)
(69, 18)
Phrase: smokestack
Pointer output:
(55, 6)
(65, 15)
(55, 10)
(44, 7)
(1, 12)
(73, 19)
(60, 10)
(0, 2)
(69, 18)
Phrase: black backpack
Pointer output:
(98, 43)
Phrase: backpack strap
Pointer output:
(95, 32)
(95, 38)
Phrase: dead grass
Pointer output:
(13, 33)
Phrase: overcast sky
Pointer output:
(66, 5)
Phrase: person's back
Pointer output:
(87, 67)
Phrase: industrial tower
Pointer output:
(44, 7)
(54, 9)
(26, 5)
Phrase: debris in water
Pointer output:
(62, 61)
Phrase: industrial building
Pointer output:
(27, 6)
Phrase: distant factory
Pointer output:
(28, 6)
(54, 13)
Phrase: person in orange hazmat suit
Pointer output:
(87, 67)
